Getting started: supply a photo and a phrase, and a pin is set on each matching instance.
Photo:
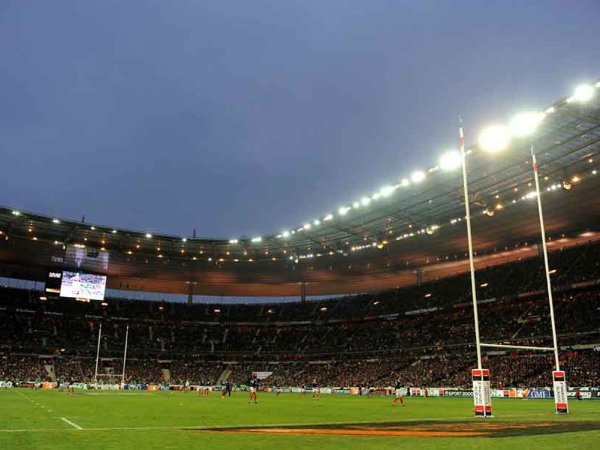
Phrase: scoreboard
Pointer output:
(75, 284)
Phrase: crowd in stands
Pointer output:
(422, 335)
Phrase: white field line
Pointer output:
(71, 423)
(226, 427)
(188, 427)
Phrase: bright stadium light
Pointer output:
(256, 239)
(55, 221)
(365, 201)
(525, 123)
(285, 234)
(343, 210)
(417, 176)
(316, 222)
(233, 241)
(494, 139)
(307, 226)
(404, 182)
(584, 93)
(328, 217)
(387, 191)
(148, 236)
(450, 160)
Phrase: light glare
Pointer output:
(450, 160)
(494, 139)
(417, 176)
(387, 191)
(584, 93)
(525, 123)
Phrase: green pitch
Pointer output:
(164, 420)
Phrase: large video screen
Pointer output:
(83, 285)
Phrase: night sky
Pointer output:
(244, 118)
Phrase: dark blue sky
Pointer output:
(249, 117)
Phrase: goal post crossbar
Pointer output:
(522, 347)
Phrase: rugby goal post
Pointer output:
(480, 376)
(96, 374)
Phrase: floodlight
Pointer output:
(387, 190)
(365, 201)
(148, 235)
(307, 226)
(343, 210)
(450, 160)
(256, 239)
(417, 176)
(404, 182)
(525, 123)
(583, 93)
(494, 139)
(530, 195)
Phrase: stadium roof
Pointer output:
(378, 241)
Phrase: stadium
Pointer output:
(371, 326)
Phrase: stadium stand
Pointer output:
(421, 335)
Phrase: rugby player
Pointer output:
(398, 394)
(253, 387)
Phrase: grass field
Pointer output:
(55, 420)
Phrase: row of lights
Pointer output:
(490, 211)
(498, 137)
(493, 139)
